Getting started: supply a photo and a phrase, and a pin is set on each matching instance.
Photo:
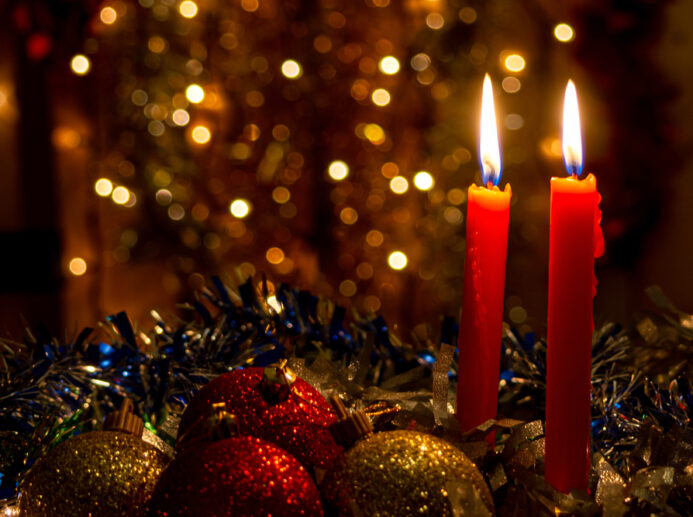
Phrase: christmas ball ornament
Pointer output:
(111, 472)
(273, 404)
(238, 476)
(401, 473)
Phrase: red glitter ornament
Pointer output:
(295, 418)
(243, 476)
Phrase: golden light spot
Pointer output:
(155, 128)
(275, 304)
(239, 208)
(389, 170)
(291, 69)
(78, 266)
(200, 212)
(511, 84)
(254, 98)
(389, 65)
(132, 200)
(399, 185)
(364, 271)
(120, 195)
(180, 117)
(108, 15)
(251, 132)
(374, 238)
(80, 64)
(195, 93)
(372, 303)
(374, 133)
(515, 63)
(435, 21)
(423, 180)
(380, 97)
(103, 187)
(66, 138)
(397, 260)
(420, 62)
(338, 170)
(156, 44)
(281, 195)
(456, 196)
(163, 197)
(564, 32)
(162, 178)
(513, 121)
(281, 132)
(201, 135)
(250, 5)
(176, 212)
(188, 9)
(322, 44)
(347, 288)
(467, 15)
(348, 215)
(453, 215)
(274, 255)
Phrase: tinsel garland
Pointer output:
(641, 401)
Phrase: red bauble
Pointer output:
(298, 423)
(240, 477)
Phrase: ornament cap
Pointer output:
(124, 420)
(277, 380)
(349, 427)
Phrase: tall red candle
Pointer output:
(481, 320)
(575, 240)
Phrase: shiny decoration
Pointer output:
(105, 473)
(401, 473)
(236, 476)
(296, 421)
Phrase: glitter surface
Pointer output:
(401, 473)
(241, 476)
(102, 473)
(297, 424)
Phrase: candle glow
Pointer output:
(572, 137)
(489, 152)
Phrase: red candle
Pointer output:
(575, 240)
(481, 321)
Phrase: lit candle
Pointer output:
(488, 210)
(575, 240)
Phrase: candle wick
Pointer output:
(489, 184)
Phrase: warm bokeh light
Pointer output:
(375, 238)
(180, 117)
(188, 9)
(397, 260)
(374, 133)
(348, 215)
(120, 195)
(239, 208)
(399, 185)
(77, 266)
(489, 151)
(380, 97)
(103, 187)
(108, 15)
(195, 93)
(80, 64)
(291, 69)
(515, 63)
(389, 65)
(347, 288)
(511, 84)
(275, 304)
(435, 21)
(572, 136)
(201, 134)
(564, 32)
(338, 170)
(274, 255)
(423, 180)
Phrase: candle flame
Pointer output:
(572, 136)
(489, 153)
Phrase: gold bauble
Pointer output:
(403, 473)
(102, 473)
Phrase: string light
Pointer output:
(77, 266)
(180, 117)
(389, 65)
(239, 208)
(103, 187)
(338, 170)
(120, 195)
(397, 260)
(291, 69)
(80, 64)
(380, 97)
(399, 185)
(201, 135)
(564, 32)
(423, 180)
(515, 63)
(195, 93)
(188, 9)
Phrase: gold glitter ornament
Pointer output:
(101, 473)
(400, 474)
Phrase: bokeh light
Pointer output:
(180, 117)
(80, 64)
(77, 266)
(389, 65)
(514, 63)
(338, 170)
(201, 134)
(423, 180)
(511, 84)
(564, 32)
(108, 15)
(274, 255)
(188, 9)
(120, 195)
(103, 187)
(380, 97)
(195, 93)
(397, 260)
(239, 208)
(435, 21)
(399, 185)
(291, 69)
